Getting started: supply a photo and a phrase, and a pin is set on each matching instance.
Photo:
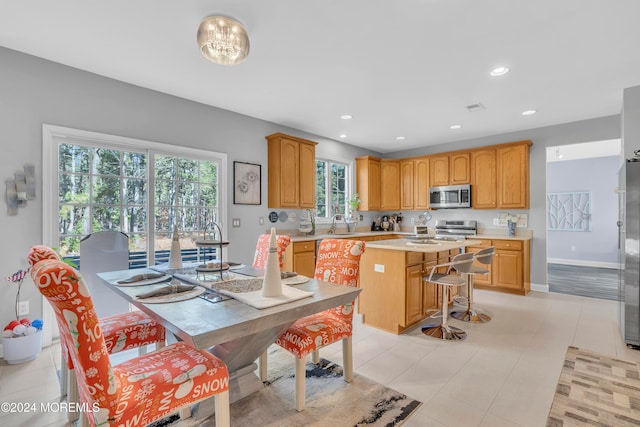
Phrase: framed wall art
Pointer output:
(247, 189)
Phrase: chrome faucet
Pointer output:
(337, 216)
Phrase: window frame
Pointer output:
(349, 184)
(52, 135)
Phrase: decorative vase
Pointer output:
(175, 256)
(272, 283)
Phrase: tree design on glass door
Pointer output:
(569, 211)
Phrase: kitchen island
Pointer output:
(394, 295)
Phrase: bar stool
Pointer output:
(471, 314)
(462, 264)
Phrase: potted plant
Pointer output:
(352, 219)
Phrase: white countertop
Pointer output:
(410, 246)
(356, 234)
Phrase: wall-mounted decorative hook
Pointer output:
(20, 189)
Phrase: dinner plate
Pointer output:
(182, 296)
(295, 280)
(145, 282)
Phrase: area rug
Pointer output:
(596, 390)
(330, 401)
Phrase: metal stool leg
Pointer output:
(470, 315)
(443, 331)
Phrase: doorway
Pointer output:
(582, 211)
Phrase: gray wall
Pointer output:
(34, 91)
(600, 244)
(631, 121)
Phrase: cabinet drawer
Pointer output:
(304, 246)
(414, 258)
(482, 244)
(512, 245)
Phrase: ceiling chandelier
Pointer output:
(223, 40)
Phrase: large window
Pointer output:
(332, 188)
(140, 188)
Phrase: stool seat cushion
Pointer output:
(446, 279)
(478, 270)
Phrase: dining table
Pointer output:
(233, 331)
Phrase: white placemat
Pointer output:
(256, 300)
(295, 280)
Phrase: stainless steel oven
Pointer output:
(450, 196)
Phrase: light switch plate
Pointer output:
(235, 222)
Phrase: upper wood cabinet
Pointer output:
(459, 168)
(421, 183)
(291, 172)
(451, 169)
(368, 182)
(389, 184)
(407, 184)
(513, 176)
(483, 179)
(438, 170)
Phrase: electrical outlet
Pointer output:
(261, 220)
(573, 248)
(413, 221)
(23, 308)
(379, 268)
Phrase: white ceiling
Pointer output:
(401, 68)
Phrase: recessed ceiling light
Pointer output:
(455, 126)
(499, 71)
(400, 138)
(344, 135)
(346, 117)
(528, 112)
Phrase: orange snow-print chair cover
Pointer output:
(141, 390)
(337, 261)
(262, 250)
(121, 331)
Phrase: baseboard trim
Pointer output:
(539, 288)
(583, 263)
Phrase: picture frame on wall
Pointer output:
(247, 185)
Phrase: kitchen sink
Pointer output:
(423, 242)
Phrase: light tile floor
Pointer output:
(503, 374)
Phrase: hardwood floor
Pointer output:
(593, 282)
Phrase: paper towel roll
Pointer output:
(175, 257)
(272, 283)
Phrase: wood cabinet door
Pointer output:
(513, 176)
(289, 173)
(508, 271)
(368, 182)
(421, 183)
(438, 170)
(483, 179)
(459, 169)
(429, 290)
(389, 184)
(307, 174)
(482, 279)
(413, 304)
(304, 263)
(406, 184)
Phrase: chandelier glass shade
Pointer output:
(223, 40)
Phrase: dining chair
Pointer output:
(262, 249)
(136, 392)
(124, 331)
(461, 264)
(472, 314)
(338, 261)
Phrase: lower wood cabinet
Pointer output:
(394, 295)
(509, 269)
(301, 258)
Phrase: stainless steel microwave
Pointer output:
(450, 196)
